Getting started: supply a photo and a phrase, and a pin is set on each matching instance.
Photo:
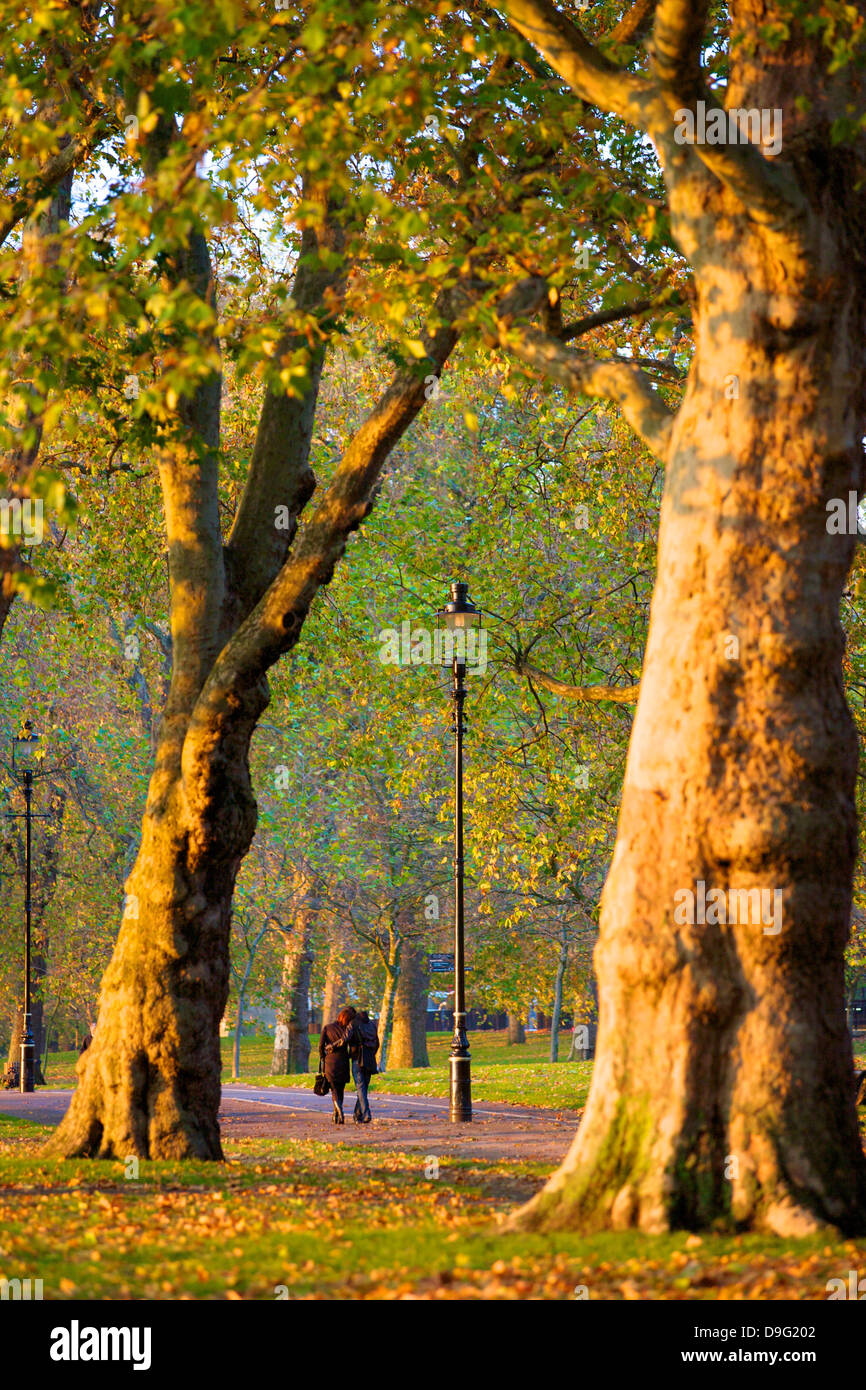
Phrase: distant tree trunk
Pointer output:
(409, 1036)
(561, 967)
(252, 947)
(239, 1023)
(393, 966)
(335, 983)
(39, 250)
(47, 1040)
(516, 1032)
(292, 1038)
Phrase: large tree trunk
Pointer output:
(409, 1032)
(515, 1031)
(149, 1084)
(292, 1038)
(724, 1085)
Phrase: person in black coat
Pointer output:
(363, 1046)
(334, 1057)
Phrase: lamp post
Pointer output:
(23, 762)
(459, 616)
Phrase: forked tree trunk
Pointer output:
(724, 1085)
(409, 1033)
(150, 1083)
(292, 1037)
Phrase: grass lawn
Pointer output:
(320, 1222)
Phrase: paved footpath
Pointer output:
(399, 1122)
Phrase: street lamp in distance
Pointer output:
(24, 752)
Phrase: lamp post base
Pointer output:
(461, 1082)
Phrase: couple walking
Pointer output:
(352, 1038)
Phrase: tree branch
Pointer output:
(280, 474)
(676, 47)
(587, 71)
(275, 624)
(619, 694)
(579, 372)
(768, 189)
(605, 316)
(634, 24)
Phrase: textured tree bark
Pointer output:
(723, 1086)
(515, 1032)
(409, 1031)
(149, 1084)
(393, 967)
(292, 1038)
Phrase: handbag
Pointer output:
(321, 1085)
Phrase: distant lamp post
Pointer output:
(24, 749)
(459, 616)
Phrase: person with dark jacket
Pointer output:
(363, 1046)
(334, 1057)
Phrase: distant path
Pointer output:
(400, 1122)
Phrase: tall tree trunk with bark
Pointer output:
(723, 1087)
(515, 1031)
(409, 1033)
(292, 1038)
(393, 967)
